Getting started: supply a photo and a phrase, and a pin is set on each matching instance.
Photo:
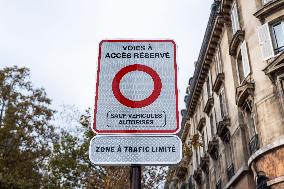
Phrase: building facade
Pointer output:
(233, 125)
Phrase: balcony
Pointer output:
(222, 129)
(201, 124)
(204, 163)
(218, 82)
(236, 41)
(230, 171)
(209, 104)
(243, 93)
(253, 144)
(213, 148)
(197, 175)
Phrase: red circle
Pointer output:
(141, 103)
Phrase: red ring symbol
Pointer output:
(141, 103)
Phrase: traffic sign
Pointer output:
(128, 150)
(136, 89)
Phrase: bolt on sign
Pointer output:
(127, 150)
(136, 89)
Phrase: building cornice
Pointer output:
(209, 45)
(275, 67)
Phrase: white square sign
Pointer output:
(136, 89)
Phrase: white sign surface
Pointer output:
(136, 88)
(127, 150)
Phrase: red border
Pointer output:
(136, 131)
(139, 103)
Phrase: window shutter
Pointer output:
(210, 83)
(218, 112)
(225, 108)
(235, 18)
(233, 21)
(245, 59)
(219, 61)
(265, 42)
(205, 94)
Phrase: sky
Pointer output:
(58, 40)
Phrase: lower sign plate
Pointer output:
(127, 150)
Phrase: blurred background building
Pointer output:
(233, 127)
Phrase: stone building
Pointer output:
(233, 125)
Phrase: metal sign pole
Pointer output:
(135, 177)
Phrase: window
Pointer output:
(195, 120)
(217, 119)
(203, 142)
(243, 62)
(205, 93)
(201, 101)
(218, 62)
(229, 160)
(278, 36)
(282, 85)
(196, 159)
(281, 91)
(266, 1)
(223, 103)
(248, 118)
(271, 39)
(212, 126)
(208, 85)
(217, 168)
(240, 68)
(235, 18)
(198, 154)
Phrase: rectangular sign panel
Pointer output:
(127, 150)
(136, 88)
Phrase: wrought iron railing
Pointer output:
(219, 184)
(279, 49)
(253, 144)
(262, 182)
(230, 171)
